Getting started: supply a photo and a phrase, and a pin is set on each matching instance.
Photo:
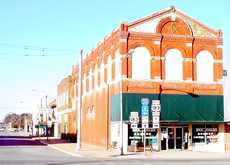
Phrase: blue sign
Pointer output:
(145, 101)
(144, 110)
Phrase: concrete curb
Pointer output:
(66, 152)
(157, 156)
(61, 150)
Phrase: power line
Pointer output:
(43, 54)
(15, 107)
(41, 48)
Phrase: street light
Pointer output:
(121, 106)
(121, 109)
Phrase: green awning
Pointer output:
(174, 108)
(40, 126)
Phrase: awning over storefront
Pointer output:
(40, 126)
(180, 108)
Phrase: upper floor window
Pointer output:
(102, 73)
(117, 65)
(141, 64)
(95, 77)
(204, 66)
(84, 84)
(74, 89)
(174, 65)
(90, 80)
(109, 69)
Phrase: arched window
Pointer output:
(95, 77)
(109, 70)
(102, 73)
(173, 65)
(117, 65)
(204, 66)
(90, 80)
(141, 64)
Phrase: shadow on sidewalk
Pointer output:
(53, 141)
(20, 142)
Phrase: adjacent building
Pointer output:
(44, 119)
(53, 124)
(226, 85)
(167, 56)
(65, 113)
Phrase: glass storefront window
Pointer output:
(204, 133)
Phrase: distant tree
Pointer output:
(14, 119)
(18, 121)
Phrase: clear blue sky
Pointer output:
(62, 28)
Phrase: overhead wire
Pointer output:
(30, 50)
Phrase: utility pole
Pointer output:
(78, 118)
(121, 109)
(46, 111)
(39, 119)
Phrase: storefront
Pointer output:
(174, 137)
(171, 138)
(207, 137)
(180, 127)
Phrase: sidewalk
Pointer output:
(97, 152)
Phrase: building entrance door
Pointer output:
(172, 138)
(179, 138)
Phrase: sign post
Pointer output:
(134, 120)
(145, 117)
(156, 109)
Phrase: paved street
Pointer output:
(20, 150)
(44, 155)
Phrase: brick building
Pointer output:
(167, 56)
(65, 113)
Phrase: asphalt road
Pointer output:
(25, 151)
(44, 155)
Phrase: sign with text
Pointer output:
(134, 126)
(156, 125)
(156, 109)
(156, 119)
(145, 112)
(134, 118)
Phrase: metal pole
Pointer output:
(205, 134)
(144, 140)
(46, 110)
(38, 120)
(121, 110)
(78, 121)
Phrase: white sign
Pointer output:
(133, 126)
(156, 125)
(156, 119)
(155, 107)
(134, 114)
(136, 130)
(134, 118)
(145, 125)
(145, 119)
(156, 102)
(155, 113)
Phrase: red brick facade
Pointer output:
(173, 30)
